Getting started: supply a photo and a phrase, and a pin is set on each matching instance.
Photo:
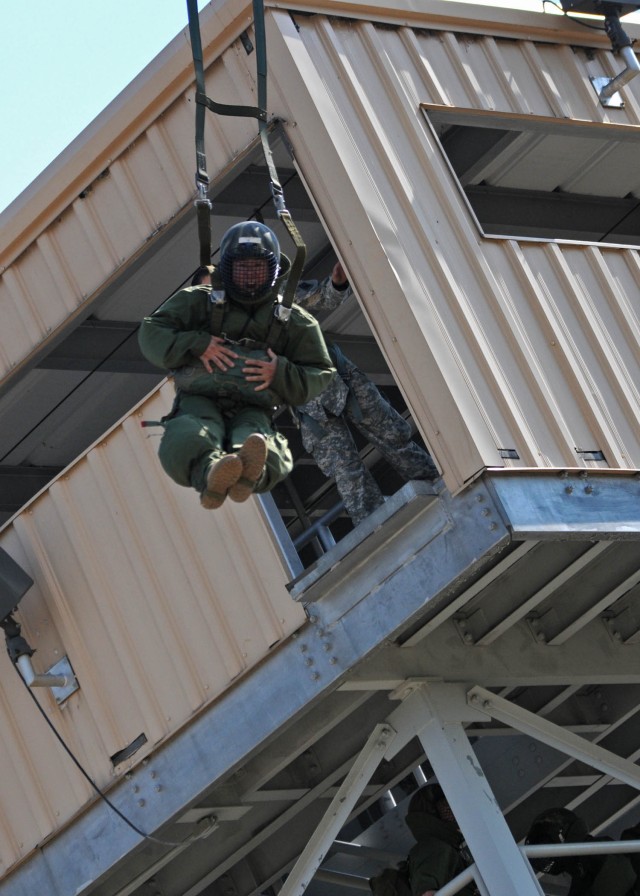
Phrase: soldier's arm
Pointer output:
(327, 294)
(304, 369)
(177, 333)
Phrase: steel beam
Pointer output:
(571, 504)
(502, 867)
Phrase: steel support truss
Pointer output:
(436, 713)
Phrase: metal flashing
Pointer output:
(576, 504)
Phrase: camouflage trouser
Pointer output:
(199, 432)
(334, 450)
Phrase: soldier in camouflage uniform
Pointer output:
(352, 396)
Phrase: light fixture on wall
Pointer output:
(611, 10)
(600, 7)
(14, 584)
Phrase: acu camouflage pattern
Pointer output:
(351, 396)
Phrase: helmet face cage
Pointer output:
(248, 241)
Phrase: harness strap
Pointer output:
(228, 109)
(203, 204)
(277, 330)
(297, 265)
(277, 193)
(217, 317)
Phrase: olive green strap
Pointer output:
(297, 265)
(277, 192)
(217, 317)
(203, 205)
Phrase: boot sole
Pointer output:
(223, 475)
(253, 455)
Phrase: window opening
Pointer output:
(542, 178)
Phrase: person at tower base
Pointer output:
(235, 358)
(591, 875)
(438, 855)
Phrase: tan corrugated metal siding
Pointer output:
(510, 351)
(158, 604)
(519, 345)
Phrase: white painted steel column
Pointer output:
(336, 815)
(501, 865)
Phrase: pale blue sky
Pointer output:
(61, 64)
(63, 61)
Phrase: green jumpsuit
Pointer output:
(203, 427)
(436, 858)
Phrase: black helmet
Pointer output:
(249, 240)
(427, 799)
(432, 800)
(556, 825)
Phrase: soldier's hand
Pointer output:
(338, 276)
(261, 372)
(218, 352)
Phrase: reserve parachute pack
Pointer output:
(230, 387)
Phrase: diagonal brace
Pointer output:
(338, 811)
(555, 736)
